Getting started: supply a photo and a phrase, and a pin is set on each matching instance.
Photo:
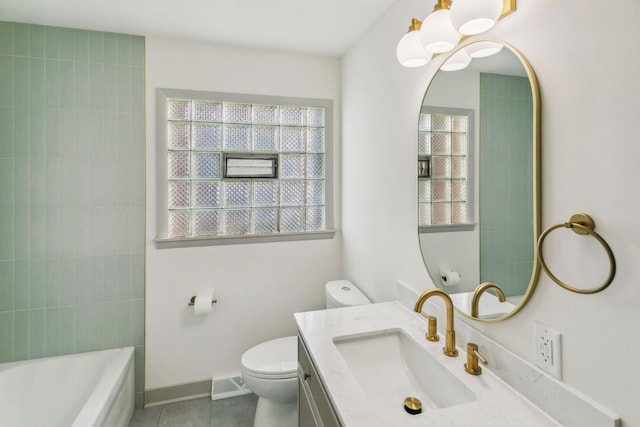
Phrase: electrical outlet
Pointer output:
(548, 350)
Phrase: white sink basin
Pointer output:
(390, 366)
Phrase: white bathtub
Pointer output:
(78, 390)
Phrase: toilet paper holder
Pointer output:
(192, 301)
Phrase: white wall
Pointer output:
(582, 53)
(259, 286)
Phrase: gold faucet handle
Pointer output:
(432, 330)
(473, 355)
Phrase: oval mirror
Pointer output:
(479, 179)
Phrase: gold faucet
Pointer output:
(479, 290)
(450, 344)
(473, 355)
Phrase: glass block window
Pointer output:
(444, 141)
(199, 130)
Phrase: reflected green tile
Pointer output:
(124, 90)
(53, 331)
(22, 234)
(21, 39)
(21, 183)
(52, 83)
(123, 324)
(37, 183)
(36, 83)
(37, 283)
(6, 38)
(53, 282)
(124, 49)
(7, 286)
(7, 234)
(6, 337)
(21, 284)
(96, 281)
(68, 134)
(110, 88)
(36, 334)
(22, 131)
(82, 85)
(137, 51)
(21, 335)
(52, 42)
(37, 232)
(67, 324)
(137, 283)
(6, 81)
(89, 327)
(111, 316)
(7, 183)
(110, 278)
(137, 322)
(96, 47)
(52, 136)
(68, 231)
(123, 280)
(82, 45)
(67, 44)
(36, 41)
(110, 48)
(82, 280)
(68, 282)
(67, 84)
(21, 82)
(7, 136)
(137, 90)
(96, 86)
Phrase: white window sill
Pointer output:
(187, 242)
(445, 228)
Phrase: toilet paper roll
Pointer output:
(203, 303)
(450, 278)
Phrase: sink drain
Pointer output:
(412, 405)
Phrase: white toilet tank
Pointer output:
(343, 293)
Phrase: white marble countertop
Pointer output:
(496, 403)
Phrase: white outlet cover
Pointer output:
(547, 349)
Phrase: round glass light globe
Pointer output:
(483, 49)
(410, 52)
(437, 33)
(475, 16)
(458, 61)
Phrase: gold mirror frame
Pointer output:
(536, 190)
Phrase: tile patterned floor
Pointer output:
(204, 412)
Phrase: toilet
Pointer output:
(270, 369)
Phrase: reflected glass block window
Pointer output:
(444, 140)
(203, 202)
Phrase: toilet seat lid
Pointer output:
(278, 357)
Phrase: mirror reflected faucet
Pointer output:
(479, 291)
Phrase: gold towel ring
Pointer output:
(580, 224)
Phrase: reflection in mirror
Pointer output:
(478, 179)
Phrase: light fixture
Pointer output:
(410, 51)
(483, 49)
(443, 28)
(475, 16)
(437, 34)
(458, 61)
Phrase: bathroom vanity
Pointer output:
(357, 365)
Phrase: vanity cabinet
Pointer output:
(314, 408)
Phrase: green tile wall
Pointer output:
(71, 192)
(506, 182)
